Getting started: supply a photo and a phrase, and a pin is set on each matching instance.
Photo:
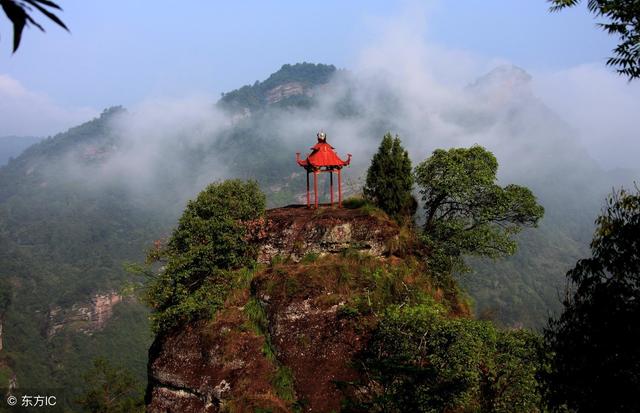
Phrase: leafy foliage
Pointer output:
(466, 212)
(624, 21)
(421, 360)
(111, 390)
(18, 12)
(389, 179)
(597, 362)
(206, 245)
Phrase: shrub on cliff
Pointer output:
(389, 179)
(466, 211)
(208, 244)
(421, 360)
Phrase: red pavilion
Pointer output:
(323, 158)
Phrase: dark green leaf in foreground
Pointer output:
(19, 13)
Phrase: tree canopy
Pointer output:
(111, 389)
(389, 179)
(19, 13)
(624, 21)
(207, 244)
(420, 360)
(597, 362)
(466, 211)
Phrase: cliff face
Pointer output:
(294, 231)
(286, 90)
(202, 366)
(226, 365)
(290, 340)
(86, 318)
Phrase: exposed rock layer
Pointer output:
(293, 231)
(86, 318)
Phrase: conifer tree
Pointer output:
(390, 180)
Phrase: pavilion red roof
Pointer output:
(323, 154)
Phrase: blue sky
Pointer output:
(121, 51)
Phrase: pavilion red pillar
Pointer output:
(315, 188)
(308, 200)
(339, 189)
(331, 186)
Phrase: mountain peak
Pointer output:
(503, 84)
(503, 74)
(290, 85)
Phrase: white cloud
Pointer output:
(601, 106)
(25, 112)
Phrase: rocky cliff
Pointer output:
(86, 317)
(294, 231)
(290, 339)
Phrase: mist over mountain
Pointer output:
(76, 206)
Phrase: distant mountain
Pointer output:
(12, 146)
(62, 248)
(540, 151)
(292, 84)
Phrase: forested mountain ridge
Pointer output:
(77, 206)
(62, 248)
(291, 85)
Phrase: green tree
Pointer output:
(421, 360)
(208, 243)
(111, 390)
(19, 13)
(389, 179)
(466, 212)
(596, 367)
(624, 21)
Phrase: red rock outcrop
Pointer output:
(286, 90)
(84, 317)
(294, 231)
